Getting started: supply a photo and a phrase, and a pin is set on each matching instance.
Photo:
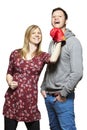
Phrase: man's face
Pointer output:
(58, 19)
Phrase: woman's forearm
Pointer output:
(9, 78)
(56, 53)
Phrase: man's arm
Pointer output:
(76, 62)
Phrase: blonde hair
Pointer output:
(25, 48)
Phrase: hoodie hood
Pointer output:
(69, 34)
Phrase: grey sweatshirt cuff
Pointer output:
(63, 92)
(42, 89)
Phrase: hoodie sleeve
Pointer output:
(76, 63)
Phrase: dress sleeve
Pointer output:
(46, 57)
(10, 69)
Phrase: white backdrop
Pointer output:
(15, 17)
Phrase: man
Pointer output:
(62, 77)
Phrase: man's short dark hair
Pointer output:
(58, 8)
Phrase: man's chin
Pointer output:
(56, 26)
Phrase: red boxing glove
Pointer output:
(57, 35)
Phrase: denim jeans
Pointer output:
(61, 114)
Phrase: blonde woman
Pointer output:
(25, 66)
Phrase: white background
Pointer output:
(15, 17)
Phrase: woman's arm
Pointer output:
(56, 53)
(9, 78)
(12, 84)
(57, 36)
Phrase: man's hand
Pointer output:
(60, 98)
(43, 93)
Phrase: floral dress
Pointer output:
(21, 103)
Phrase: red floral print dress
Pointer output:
(21, 103)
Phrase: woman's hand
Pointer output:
(13, 85)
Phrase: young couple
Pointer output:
(64, 71)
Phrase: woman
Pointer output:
(25, 66)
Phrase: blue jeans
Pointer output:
(61, 114)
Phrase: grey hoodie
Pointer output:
(64, 75)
